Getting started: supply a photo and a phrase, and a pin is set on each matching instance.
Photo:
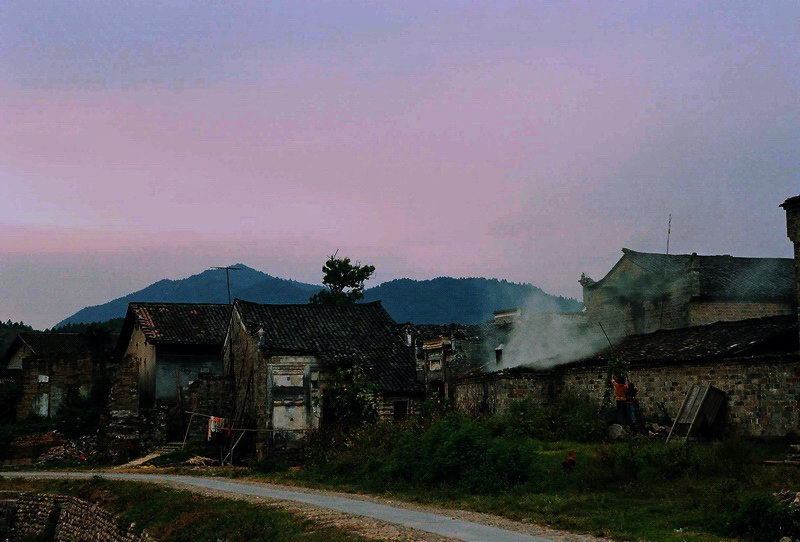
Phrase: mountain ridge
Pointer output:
(440, 300)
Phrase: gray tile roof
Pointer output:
(726, 278)
(773, 334)
(363, 334)
(181, 323)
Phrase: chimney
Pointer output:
(792, 208)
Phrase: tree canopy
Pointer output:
(343, 280)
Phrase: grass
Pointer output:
(174, 516)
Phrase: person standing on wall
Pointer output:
(621, 399)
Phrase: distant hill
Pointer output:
(467, 300)
(207, 287)
(441, 300)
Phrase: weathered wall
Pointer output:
(619, 319)
(141, 355)
(189, 362)
(293, 395)
(243, 364)
(46, 381)
(492, 393)
(210, 395)
(708, 312)
(397, 408)
(64, 518)
(15, 362)
(763, 395)
(792, 208)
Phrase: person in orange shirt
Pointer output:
(620, 396)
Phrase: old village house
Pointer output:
(645, 292)
(51, 367)
(682, 321)
(283, 360)
(162, 349)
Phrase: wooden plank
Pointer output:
(712, 404)
(690, 406)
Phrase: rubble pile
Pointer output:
(790, 497)
(73, 451)
(655, 431)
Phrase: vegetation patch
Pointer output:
(511, 465)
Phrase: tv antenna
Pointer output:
(228, 277)
(664, 269)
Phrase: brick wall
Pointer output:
(763, 394)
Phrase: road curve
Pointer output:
(424, 521)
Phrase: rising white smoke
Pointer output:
(544, 340)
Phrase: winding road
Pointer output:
(430, 522)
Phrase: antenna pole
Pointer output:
(228, 269)
(664, 269)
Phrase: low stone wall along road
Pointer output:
(435, 523)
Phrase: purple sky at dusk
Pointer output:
(521, 140)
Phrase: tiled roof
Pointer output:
(43, 344)
(182, 323)
(461, 331)
(726, 277)
(49, 344)
(362, 334)
(776, 334)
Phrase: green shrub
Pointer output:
(763, 517)
(268, 465)
(570, 416)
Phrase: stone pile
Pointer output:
(74, 451)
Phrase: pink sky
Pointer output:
(522, 140)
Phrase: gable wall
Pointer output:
(242, 363)
(618, 320)
(16, 360)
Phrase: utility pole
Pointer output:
(228, 278)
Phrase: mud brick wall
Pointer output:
(65, 518)
(763, 395)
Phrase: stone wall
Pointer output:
(763, 394)
(53, 517)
